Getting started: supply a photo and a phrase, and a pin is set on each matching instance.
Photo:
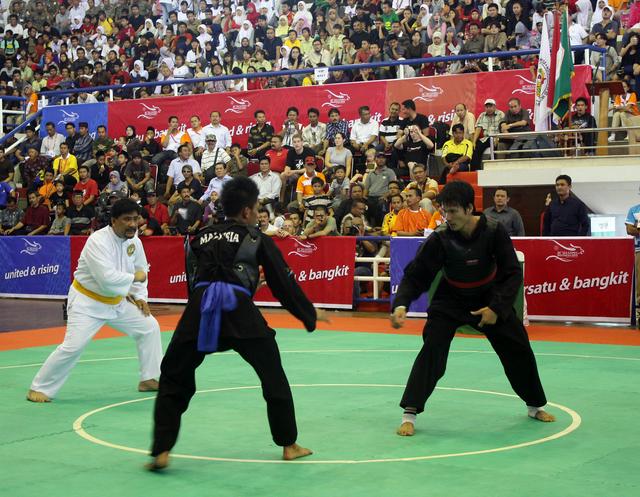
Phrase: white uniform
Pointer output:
(97, 297)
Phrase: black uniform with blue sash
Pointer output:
(221, 315)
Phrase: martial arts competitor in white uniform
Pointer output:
(109, 287)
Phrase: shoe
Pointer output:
(612, 138)
(148, 386)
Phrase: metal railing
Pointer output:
(524, 136)
(382, 257)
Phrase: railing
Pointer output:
(177, 83)
(33, 118)
(391, 63)
(375, 261)
(529, 135)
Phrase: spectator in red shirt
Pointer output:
(126, 32)
(158, 211)
(36, 219)
(277, 154)
(87, 186)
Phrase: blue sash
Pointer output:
(219, 297)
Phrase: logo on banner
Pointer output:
(303, 249)
(565, 253)
(542, 80)
(336, 99)
(526, 86)
(30, 248)
(428, 93)
(149, 111)
(238, 106)
(68, 117)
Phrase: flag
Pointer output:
(542, 109)
(564, 73)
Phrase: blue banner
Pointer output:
(403, 251)
(60, 115)
(34, 265)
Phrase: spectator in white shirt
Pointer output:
(174, 175)
(269, 185)
(211, 156)
(196, 133)
(215, 185)
(221, 132)
(313, 134)
(364, 133)
(51, 143)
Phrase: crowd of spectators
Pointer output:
(53, 44)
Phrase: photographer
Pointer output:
(414, 147)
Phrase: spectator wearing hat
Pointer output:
(32, 141)
(304, 187)
(212, 155)
(83, 146)
(158, 211)
(488, 124)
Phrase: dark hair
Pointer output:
(333, 110)
(321, 208)
(503, 188)
(313, 110)
(294, 109)
(457, 127)
(409, 104)
(362, 107)
(173, 117)
(124, 206)
(184, 187)
(416, 190)
(317, 180)
(582, 99)
(397, 195)
(565, 177)
(265, 157)
(83, 167)
(259, 111)
(457, 193)
(335, 169)
(238, 194)
(264, 210)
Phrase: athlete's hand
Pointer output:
(139, 276)
(140, 304)
(398, 317)
(487, 316)
(321, 315)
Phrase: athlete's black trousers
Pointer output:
(508, 338)
(177, 385)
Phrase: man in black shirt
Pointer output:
(566, 215)
(187, 214)
(221, 315)
(259, 135)
(581, 119)
(481, 279)
(294, 167)
(81, 215)
(411, 118)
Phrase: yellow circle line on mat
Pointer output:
(576, 420)
(335, 351)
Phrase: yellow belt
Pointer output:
(105, 300)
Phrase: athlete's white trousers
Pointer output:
(85, 318)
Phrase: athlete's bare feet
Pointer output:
(291, 452)
(160, 462)
(148, 386)
(34, 396)
(544, 416)
(406, 430)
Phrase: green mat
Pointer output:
(473, 440)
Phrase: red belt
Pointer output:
(471, 284)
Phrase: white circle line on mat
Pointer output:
(338, 351)
(576, 420)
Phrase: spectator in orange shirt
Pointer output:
(304, 188)
(47, 189)
(413, 220)
(625, 108)
(31, 104)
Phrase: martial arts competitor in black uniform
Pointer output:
(481, 278)
(220, 315)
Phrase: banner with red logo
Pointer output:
(323, 268)
(435, 96)
(578, 279)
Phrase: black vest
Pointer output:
(469, 265)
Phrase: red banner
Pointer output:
(581, 279)
(435, 96)
(319, 265)
(323, 268)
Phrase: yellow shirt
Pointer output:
(465, 147)
(388, 223)
(431, 185)
(68, 166)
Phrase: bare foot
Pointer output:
(148, 386)
(34, 396)
(160, 462)
(406, 430)
(291, 452)
(544, 416)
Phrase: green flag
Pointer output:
(564, 72)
